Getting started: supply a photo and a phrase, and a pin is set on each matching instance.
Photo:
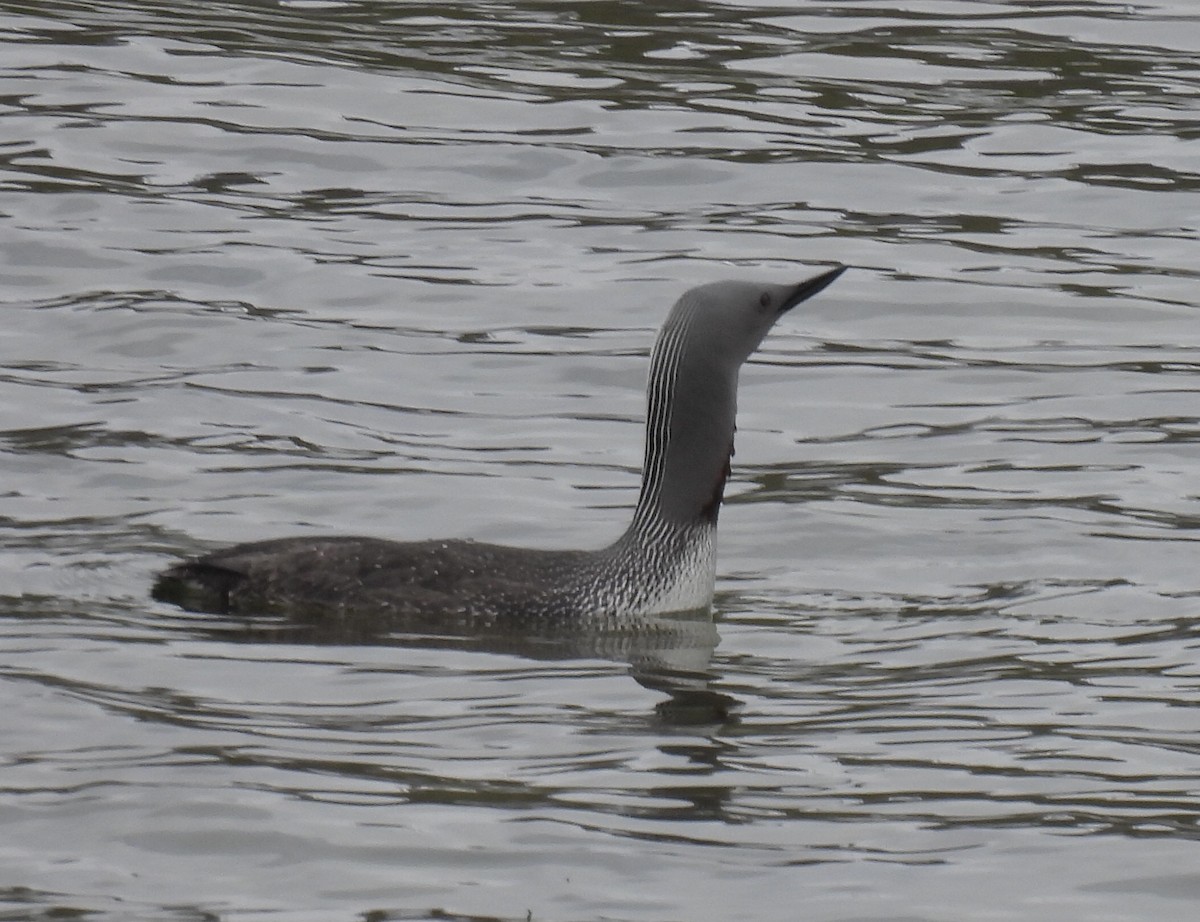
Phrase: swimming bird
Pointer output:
(664, 562)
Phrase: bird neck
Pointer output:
(691, 399)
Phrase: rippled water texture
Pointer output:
(394, 268)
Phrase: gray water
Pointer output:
(394, 268)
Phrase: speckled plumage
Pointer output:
(665, 561)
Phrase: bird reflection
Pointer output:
(669, 653)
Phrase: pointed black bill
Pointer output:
(807, 289)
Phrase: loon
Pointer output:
(664, 562)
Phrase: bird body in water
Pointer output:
(664, 562)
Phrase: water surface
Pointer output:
(395, 268)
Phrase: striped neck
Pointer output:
(691, 401)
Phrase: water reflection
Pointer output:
(671, 653)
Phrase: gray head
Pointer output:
(732, 318)
(692, 389)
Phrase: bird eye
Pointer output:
(764, 299)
